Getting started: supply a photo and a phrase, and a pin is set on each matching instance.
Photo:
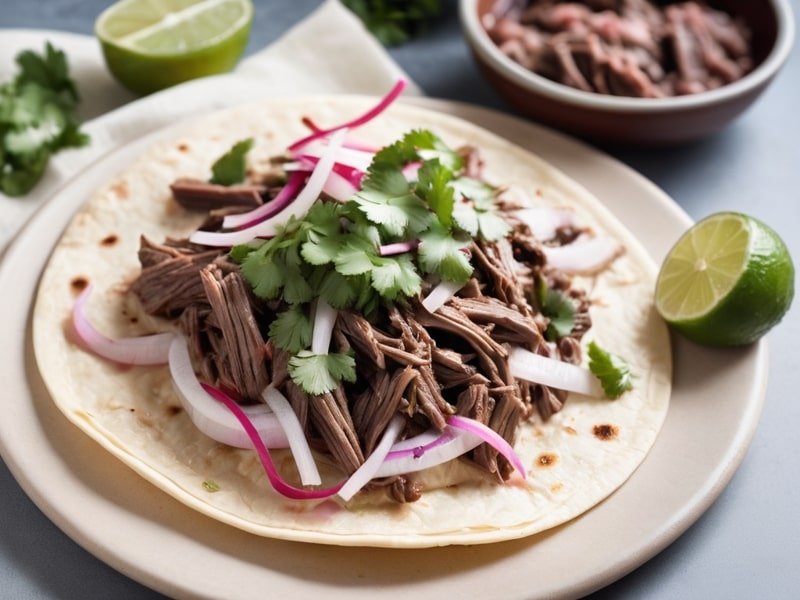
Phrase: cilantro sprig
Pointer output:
(37, 118)
(333, 252)
(231, 168)
(557, 307)
(613, 372)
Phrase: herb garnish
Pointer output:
(333, 252)
(395, 21)
(613, 372)
(557, 307)
(37, 118)
(230, 168)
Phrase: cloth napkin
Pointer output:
(328, 52)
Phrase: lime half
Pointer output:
(727, 281)
(153, 44)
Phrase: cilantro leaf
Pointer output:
(230, 168)
(432, 185)
(263, 274)
(466, 218)
(291, 329)
(387, 200)
(479, 192)
(396, 275)
(439, 252)
(36, 119)
(50, 71)
(492, 227)
(556, 306)
(395, 21)
(613, 372)
(355, 257)
(336, 290)
(320, 373)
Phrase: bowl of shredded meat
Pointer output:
(644, 72)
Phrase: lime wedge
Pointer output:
(153, 44)
(727, 281)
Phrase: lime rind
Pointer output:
(727, 281)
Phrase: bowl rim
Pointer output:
(490, 53)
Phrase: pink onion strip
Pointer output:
(439, 295)
(338, 187)
(349, 142)
(544, 221)
(324, 320)
(268, 228)
(398, 248)
(411, 169)
(356, 159)
(553, 373)
(306, 163)
(366, 472)
(144, 350)
(273, 207)
(584, 257)
(365, 118)
(211, 418)
(281, 485)
(283, 411)
(491, 437)
(452, 444)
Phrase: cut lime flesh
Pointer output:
(703, 267)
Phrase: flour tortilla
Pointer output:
(574, 460)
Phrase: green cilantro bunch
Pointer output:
(333, 252)
(37, 119)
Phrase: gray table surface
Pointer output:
(747, 544)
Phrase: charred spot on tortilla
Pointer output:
(121, 189)
(183, 147)
(173, 410)
(605, 432)
(556, 487)
(109, 240)
(78, 284)
(546, 459)
(570, 430)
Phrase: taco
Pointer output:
(399, 316)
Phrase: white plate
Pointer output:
(139, 530)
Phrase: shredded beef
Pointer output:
(239, 342)
(194, 194)
(627, 47)
(331, 417)
(170, 277)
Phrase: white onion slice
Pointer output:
(553, 373)
(283, 411)
(584, 257)
(423, 439)
(324, 320)
(544, 221)
(268, 228)
(145, 350)
(439, 295)
(460, 443)
(358, 159)
(366, 472)
(338, 188)
(211, 417)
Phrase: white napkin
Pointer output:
(328, 52)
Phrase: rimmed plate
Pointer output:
(137, 529)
